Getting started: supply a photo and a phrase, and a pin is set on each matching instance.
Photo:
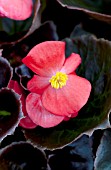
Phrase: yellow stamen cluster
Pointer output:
(59, 80)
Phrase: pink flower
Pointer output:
(55, 86)
(39, 114)
(16, 9)
(25, 122)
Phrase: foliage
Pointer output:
(85, 27)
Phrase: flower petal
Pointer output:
(46, 58)
(69, 99)
(39, 114)
(71, 63)
(38, 84)
(25, 122)
(16, 9)
(66, 118)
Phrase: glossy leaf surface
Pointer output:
(103, 155)
(99, 9)
(73, 156)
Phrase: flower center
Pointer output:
(59, 80)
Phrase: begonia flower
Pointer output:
(39, 114)
(62, 92)
(16, 9)
(25, 122)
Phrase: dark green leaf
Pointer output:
(13, 27)
(96, 137)
(73, 156)
(103, 155)
(36, 22)
(99, 9)
(15, 53)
